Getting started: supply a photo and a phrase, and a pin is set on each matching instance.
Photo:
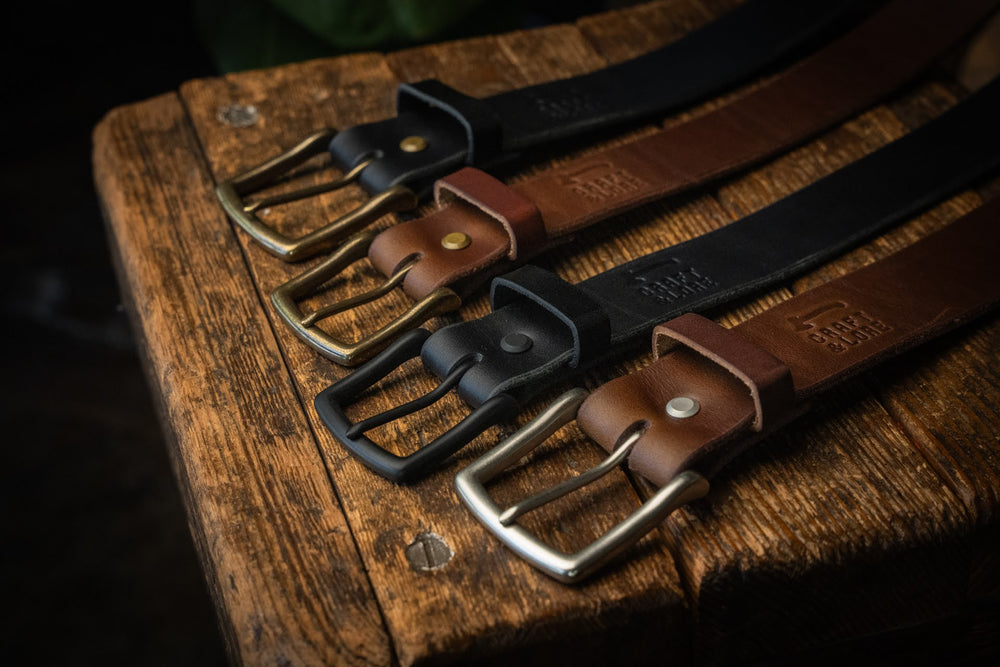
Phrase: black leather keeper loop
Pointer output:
(586, 319)
(483, 128)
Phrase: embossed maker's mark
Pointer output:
(840, 334)
(601, 181)
(667, 281)
(573, 103)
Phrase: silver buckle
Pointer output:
(568, 568)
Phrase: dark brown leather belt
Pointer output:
(712, 392)
(483, 227)
(438, 129)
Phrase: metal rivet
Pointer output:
(515, 343)
(413, 144)
(683, 407)
(456, 241)
(428, 552)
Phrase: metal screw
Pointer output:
(515, 343)
(682, 407)
(413, 144)
(456, 241)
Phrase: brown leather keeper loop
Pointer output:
(767, 377)
(517, 214)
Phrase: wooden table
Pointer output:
(877, 511)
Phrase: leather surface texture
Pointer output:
(821, 337)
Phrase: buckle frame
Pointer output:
(330, 404)
(567, 568)
(232, 191)
(284, 299)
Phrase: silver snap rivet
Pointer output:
(682, 407)
(515, 343)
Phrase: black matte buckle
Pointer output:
(331, 402)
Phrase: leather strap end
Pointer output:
(767, 377)
(519, 217)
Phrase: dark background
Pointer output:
(97, 563)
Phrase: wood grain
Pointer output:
(874, 511)
(277, 549)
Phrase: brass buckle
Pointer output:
(284, 299)
(568, 568)
(232, 191)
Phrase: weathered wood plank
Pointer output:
(481, 602)
(282, 565)
(870, 513)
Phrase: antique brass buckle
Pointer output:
(231, 193)
(284, 299)
(568, 568)
(331, 402)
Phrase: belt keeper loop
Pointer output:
(767, 377)
(519, 217)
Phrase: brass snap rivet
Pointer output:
(413, 144)
(682, 407)
(456, 241)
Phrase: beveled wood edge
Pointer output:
(234, 640)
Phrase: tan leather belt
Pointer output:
(712, 392)
(483, 227)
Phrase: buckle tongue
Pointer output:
(438, 302)
(232, 191)
(330, 404)
(568, 568)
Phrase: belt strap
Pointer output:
(499, 227)
(462, 130)
(834, 83)
(713, 392)
(438, 129)
(762, 249)
(821, 337)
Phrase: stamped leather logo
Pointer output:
(572, 104)
(837, 327)
(667, 281)
(601, 181)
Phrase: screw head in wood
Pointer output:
(682, 407)
(413, 144)
(456, 241)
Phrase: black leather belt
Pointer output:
(438, 129)
(543, 329)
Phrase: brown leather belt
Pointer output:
(483, 227)
(712, 392)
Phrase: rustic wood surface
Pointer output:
(878, 510)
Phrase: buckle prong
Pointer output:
(284, 299)
(419, 403)
(512, 513)
(231, 193)
(330, 405)
(574, 567)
